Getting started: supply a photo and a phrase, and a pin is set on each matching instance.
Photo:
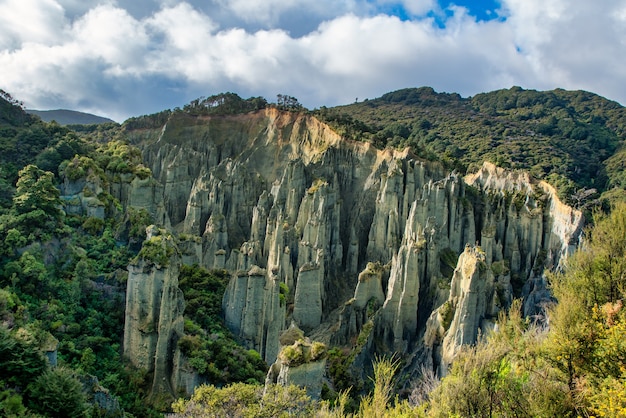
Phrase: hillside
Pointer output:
(69, 117)
(565, 137)
(236, 241)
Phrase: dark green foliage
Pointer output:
(68, 283)
(156, 120)
(57, 393)
(79, 167)
(65, 275)
(210, 346)
(139, 219)
(224, 104)
(286, 102)
(22, 138)
(562, 136)
(156, 250)
(12, 111)
(63, 149)
(344, 124)
(447, 260)
(203, 292)
(36, 192)
(21, 360)
(283, 293)
(339, 361)
(93, 128)
(11, 404)
(118, 157)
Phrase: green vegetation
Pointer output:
(157, 250)
(565, 137)
(500, 268)
(209, 345)
(62, 276)
(119, 157)
(224, 104)
(576, 367)
(245, 400)
(25, 139)
(153, 121)
(58, 393)
(447, 314)
(302, 351)
(283, 293)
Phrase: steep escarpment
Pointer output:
(333, 234)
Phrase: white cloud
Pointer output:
(418, 7)
(181, 42)
(572, 44)
(266, 11)
(113, 36)
(271, 12)
(29, 21)
(118, 63)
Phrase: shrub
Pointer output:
(447, 314)
(245, 400)
(93, 225)
(500, 268)
(292, 355)
(157, 250)
(20, 361)
(57, 393)
(318, 350)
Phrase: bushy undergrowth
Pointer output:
(211, 348)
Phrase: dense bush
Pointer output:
(57, 393)
(210, 346)
(224, 104)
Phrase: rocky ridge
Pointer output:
(356, 234)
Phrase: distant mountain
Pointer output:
(69, 117)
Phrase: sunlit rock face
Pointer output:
(331, 234)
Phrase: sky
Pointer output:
(132, 57)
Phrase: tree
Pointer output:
(588, 324)
(20, 361)
(6, 96)
(287, 102)
(36, 192)
(57, 393)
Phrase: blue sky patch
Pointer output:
(482, 9)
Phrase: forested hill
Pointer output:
(26, 139)
(570, 138)
(69, 117)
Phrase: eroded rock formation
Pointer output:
(353, 232)
(154, 314)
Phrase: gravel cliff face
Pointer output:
(356, 234)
